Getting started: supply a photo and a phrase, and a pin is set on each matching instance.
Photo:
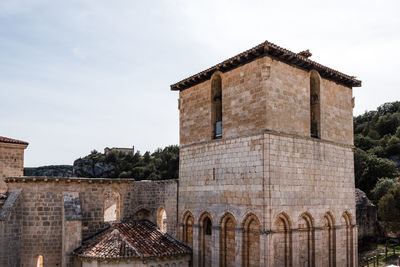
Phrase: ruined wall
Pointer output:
(42, 206)
(10, 230)
(152, 196)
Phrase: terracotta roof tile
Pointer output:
(131, 239)
(12, 141)
(266, 48)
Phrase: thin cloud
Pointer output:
(83, 75)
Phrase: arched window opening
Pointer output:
(216, 106)
(328, 242)
(315, 105)
(306, 241)
(228, 241)
(188, 230)
(282, 242)
(39, 261)
(347, 239)
(111, 205)
(251, 242)
(162, 220)
(142, 214)
(205, 242)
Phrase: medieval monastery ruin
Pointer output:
(266, 179)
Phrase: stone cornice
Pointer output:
(272, 132)
(33, 179)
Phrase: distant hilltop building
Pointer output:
(125, 150)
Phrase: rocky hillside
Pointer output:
(162, 164)
(51, 171)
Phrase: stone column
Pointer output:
(340, 248)
(196, 244)
(71, 227)
(180, 232)
(216, 241)
(318, 246)
(355, 245)
(265, 254)
(239, 245)
(294, 245)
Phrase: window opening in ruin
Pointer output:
(162, 220)
(251, 242)
(39, 262)
(142, 214)
(328, 241)
(315, 105)
(228, 244)
(111, 206)
(205, 243)
(188, 230)
(216, 106)
(207, 226)
(213, 173)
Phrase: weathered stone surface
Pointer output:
(90, 168)
(56, 213)
(366, 215)
(298, 189)
(11, 230)
(11, 162)
(72, 206)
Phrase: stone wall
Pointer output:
(10, 230)
(286, 182)
(280, 196)
(152, 197)
(266, 94)
(44, 223)
(11, 159)
(11, 162)
(366, 216)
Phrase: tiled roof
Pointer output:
(266, 48)
(12, 141)
(131, 239)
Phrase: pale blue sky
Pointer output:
(82, 75)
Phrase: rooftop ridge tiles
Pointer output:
(130, 238)
(4, 139)
(261, 50)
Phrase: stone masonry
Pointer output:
(276, 188)
(11, 159)
(267, 191)
(54, 214)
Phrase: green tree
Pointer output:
(389, 209)
(369, 168)
(388, 123)
(393, 146)
(382, 187)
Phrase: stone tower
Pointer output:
(266, 162)
(11, 159)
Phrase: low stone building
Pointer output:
(133, 243)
